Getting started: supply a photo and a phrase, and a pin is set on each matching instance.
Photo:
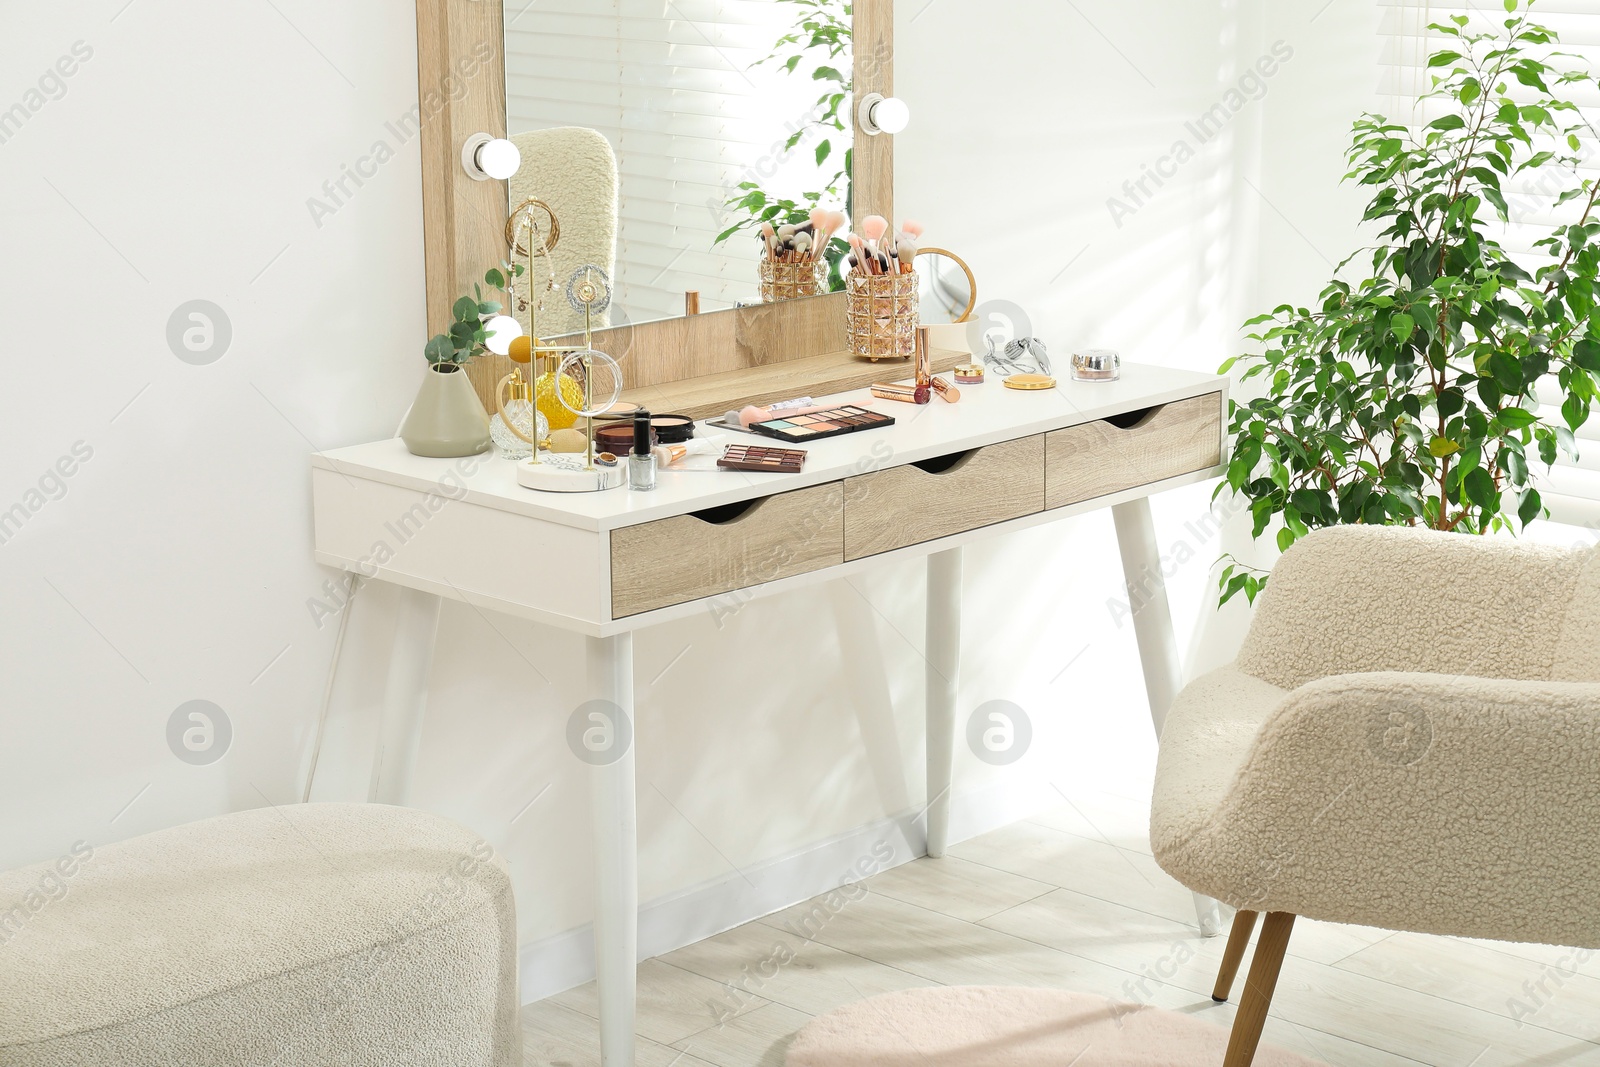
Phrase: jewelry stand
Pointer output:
(560, 472)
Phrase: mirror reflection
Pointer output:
(665, 133)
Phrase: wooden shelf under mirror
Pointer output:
(710, 395)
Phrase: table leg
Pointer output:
(405, 697)
(943, 653)
(616, 849)
(1152, 627)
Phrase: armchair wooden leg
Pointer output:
(1258, 988)
(1244, 922)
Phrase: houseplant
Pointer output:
(1409, 397)
(447, 419)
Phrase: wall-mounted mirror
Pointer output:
(694, 119)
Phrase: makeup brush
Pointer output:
(873, 227)
(913, 227)
(802, 246)
(769, 237)
(858, 246)
(908, 255)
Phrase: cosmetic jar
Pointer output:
(969, 374)
(1096, 365)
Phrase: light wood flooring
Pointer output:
(1074, 900)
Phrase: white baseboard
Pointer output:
(560, 962)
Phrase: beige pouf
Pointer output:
(313, 934)
(995, 1026)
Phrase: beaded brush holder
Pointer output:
(881, 312)
(792, 281)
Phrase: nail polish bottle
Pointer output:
(642, 462)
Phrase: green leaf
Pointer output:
(1516, 418)
(1402, 326)
(1531, 507)
(824, 149)
(465, 308)
(1441, 447)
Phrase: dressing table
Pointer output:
(941, 477)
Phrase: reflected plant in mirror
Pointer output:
(821, 41)
(658, 131)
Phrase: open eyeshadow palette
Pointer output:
(759, 458)
(820, 424)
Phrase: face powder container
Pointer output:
(617, 438)
(672, 429)
(1096, 365)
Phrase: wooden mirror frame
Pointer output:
(461, 90)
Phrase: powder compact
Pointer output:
(830, 423)
(617, 435)
(762, 459)
(1030, 381)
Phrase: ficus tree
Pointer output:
(1410, 397)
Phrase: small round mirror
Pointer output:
(947, 291)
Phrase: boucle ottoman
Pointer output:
(314, 934)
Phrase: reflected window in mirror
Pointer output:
(716, 111)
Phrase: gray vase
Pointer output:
(447, 419)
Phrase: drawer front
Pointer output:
(920, 502)
(1097, 458)
(658, 564)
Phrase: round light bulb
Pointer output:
(502, 329)
(891, 115)
(499, 159)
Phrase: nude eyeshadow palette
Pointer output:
(762, 459)
(820, 424)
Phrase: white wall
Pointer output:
(177, 565)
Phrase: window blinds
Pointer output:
(674, 86)
(1571, 489)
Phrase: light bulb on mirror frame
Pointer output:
(502, 330)
(883, 114)
(485, 156)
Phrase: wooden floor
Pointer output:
(1074, 900)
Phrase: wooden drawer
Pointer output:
(670, 561)
(1097, 458)
(935, 498)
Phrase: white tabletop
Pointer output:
(985, 414)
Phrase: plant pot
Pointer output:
(447, 420)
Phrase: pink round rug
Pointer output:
(994, 1026)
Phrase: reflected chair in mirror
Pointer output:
(574, 170)
(1408, 740)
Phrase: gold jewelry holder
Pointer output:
(522, 222)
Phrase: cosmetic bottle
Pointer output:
(642, 462)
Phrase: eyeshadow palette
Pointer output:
(820, 424)
(759, 458)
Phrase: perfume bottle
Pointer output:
(642, 461)
(521, 413)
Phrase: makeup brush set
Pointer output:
(876, 251)
(805, 243)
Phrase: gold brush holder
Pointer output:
(792, 281)
(881, 312)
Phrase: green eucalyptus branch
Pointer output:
(464, 341)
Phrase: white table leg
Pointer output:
(405, 697)
(1152, 627)
(616, 849)
(943, 650)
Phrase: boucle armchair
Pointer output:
(313, 934)
(1409, 739)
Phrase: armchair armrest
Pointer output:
(1351, 599)
(1448, 805)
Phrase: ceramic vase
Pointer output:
(447, 420)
